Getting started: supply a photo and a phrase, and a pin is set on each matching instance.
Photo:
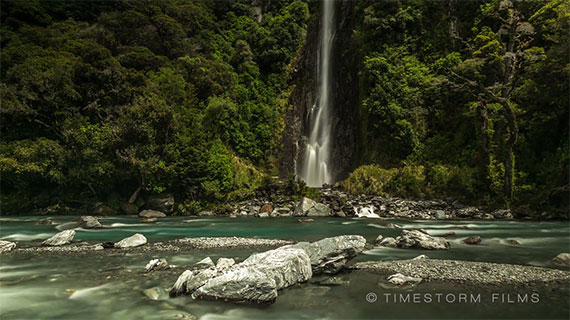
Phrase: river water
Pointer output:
(111, 285)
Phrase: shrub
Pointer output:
(437, 181)
(369, 179)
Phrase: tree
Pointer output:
(493, 71)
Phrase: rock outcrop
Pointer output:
(59, 239)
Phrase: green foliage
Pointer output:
(416, 181)
(394, 107)
(297, 188)
(437, 91)
(369, 179)
(188, 97)
(177, 96)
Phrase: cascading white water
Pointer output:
(315, 169)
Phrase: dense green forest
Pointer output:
(102, 100)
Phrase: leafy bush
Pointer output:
(437, 181)
(369, 179)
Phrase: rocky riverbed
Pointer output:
(105, 279)
(469, 272)
(336, 203)
(174, 246)
(273, 201)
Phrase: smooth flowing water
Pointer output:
(315, 170)
(110, 284)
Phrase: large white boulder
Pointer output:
(258, 278)
(59, 239)
(421, 240)
(135, 240)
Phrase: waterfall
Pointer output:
(316, 167)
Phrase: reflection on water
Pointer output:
(111, 286)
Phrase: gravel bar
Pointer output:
(470, 272)
(177, 245)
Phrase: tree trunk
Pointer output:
(509, 146)
(483, 136)
(508, 110)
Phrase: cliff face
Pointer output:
(345, 97)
